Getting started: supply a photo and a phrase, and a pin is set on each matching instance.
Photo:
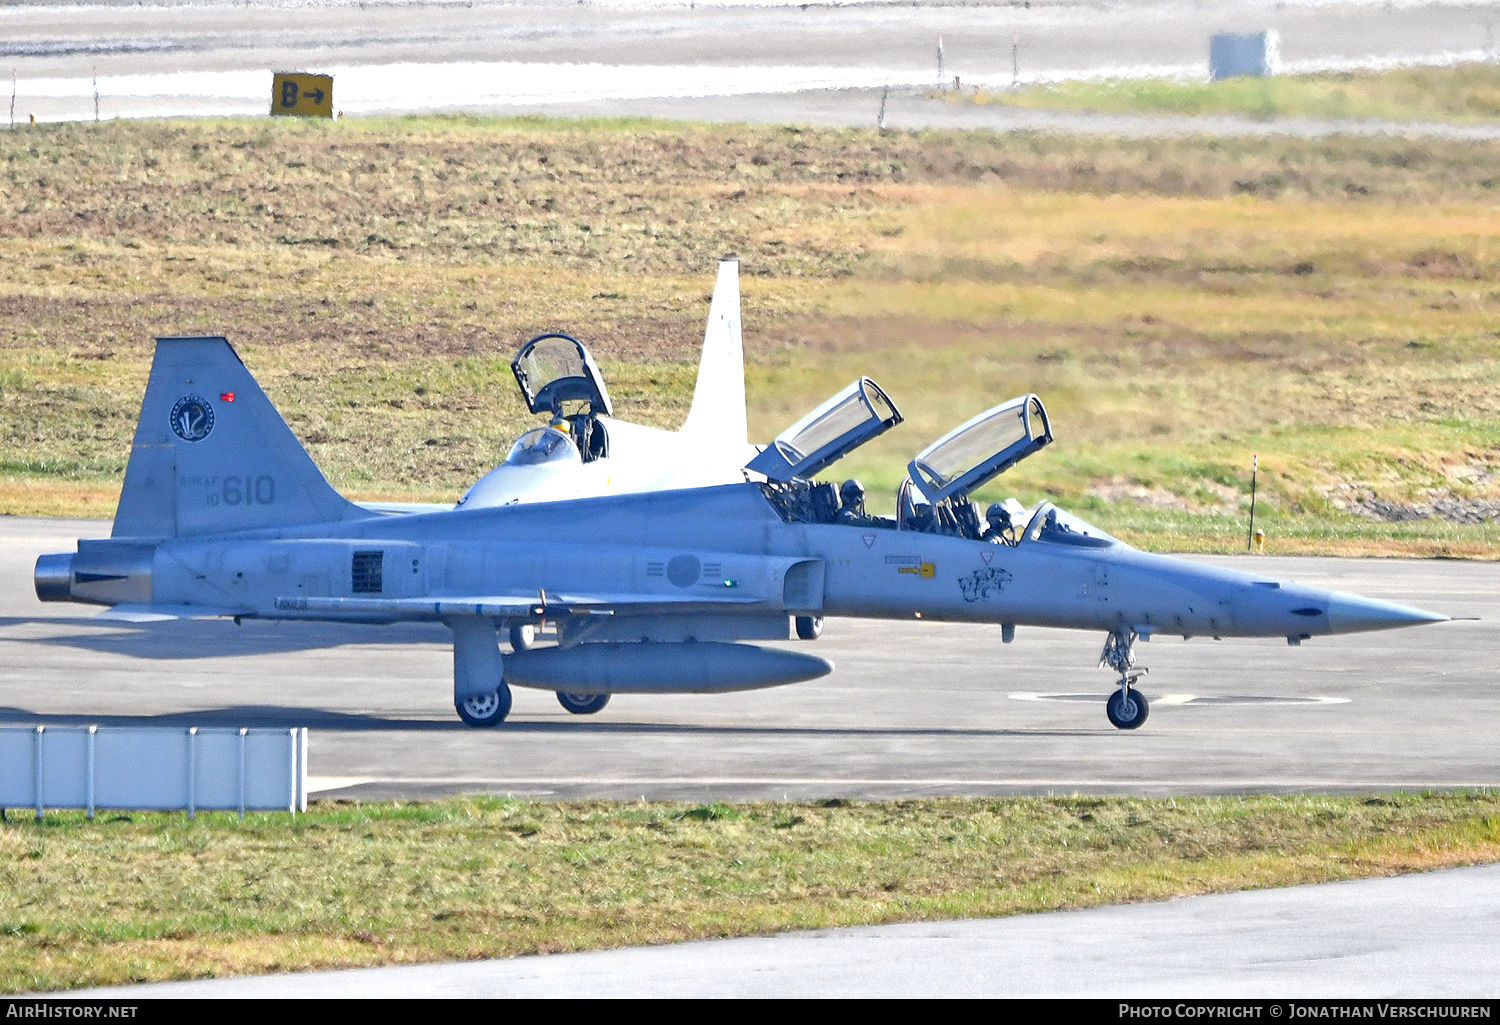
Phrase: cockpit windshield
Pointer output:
(973, 453)
(553, 369)
(847, 420)
(1049, 523)
(542, 445)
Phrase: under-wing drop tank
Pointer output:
(694, 667)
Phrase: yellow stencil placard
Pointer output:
(302, 95)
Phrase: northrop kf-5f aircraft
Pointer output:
(223, 513)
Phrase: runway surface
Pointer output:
(911, 709)
(637, 58)
(1429, 935)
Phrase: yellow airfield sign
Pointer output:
(302, 95)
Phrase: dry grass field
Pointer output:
(1179, 304)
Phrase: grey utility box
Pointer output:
(1254, 53)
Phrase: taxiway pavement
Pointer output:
(1428, 935)
(912, 708)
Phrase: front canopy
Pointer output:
(968, 456)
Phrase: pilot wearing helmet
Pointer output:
(852, 504)
(1001, 528)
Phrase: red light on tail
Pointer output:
(227, 397)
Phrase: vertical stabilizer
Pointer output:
(211, 453)
(718, 412)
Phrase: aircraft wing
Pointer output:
(526, 607)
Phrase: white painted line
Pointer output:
(554, 782)
(319, 783)
(1193, 699)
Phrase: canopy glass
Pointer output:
(852, 417)
(968, 456)
(553, 369)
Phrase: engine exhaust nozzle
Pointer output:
(54, 577)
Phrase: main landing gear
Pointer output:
(1127, 707)
(487, 709)
(809, 628)
(480, 693)
(582, 704)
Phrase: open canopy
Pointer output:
(552, 369)
(852, 417)
(968, 456)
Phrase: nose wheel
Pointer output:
(1127, 707)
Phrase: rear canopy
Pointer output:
(973, 453)
(852, 417)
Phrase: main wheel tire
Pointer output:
(809, 628)
(582, 704)
(485, 709)
(522, 637)
(1127, 713)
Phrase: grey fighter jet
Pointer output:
(223, 513)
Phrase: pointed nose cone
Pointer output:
(1350, 613)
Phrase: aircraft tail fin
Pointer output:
(211, 453)
(717, 415)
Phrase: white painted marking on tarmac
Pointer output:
(317, 784)
(1070, 784)
(1192, 699)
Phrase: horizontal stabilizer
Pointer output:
(404, 508)
(160, 613)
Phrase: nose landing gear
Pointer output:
(1127, 707)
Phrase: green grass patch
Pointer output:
(1462, 93)
(364, 884)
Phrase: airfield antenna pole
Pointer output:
(940, 60)
(96, 92)
(1015, 61)
(1254, 472)
(13, 97)
(880, 118)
